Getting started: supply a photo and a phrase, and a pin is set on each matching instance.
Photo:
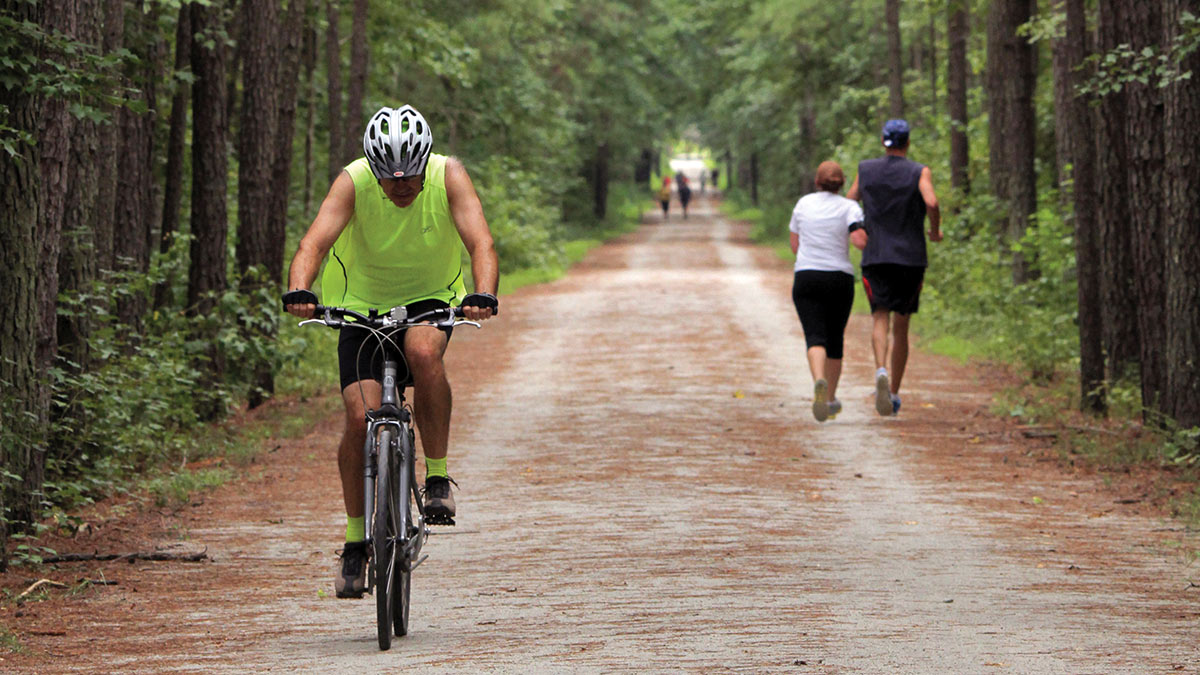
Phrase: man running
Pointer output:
(394, 221)
(897, 194)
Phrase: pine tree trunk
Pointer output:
(26, 397)
(1181, 400)
(1145, 171)
(1077, 154)
(333, 75)
(112, 40)
(957, 30)
(206, 277)
(600, 182)
(135, 205)
(1011, 79)
(310, 105)
(895, 60)
(78, 260)
(176, 146)
(356, 86)
(1118, 294)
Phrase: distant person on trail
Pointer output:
(823, 226)
(664, 196)
(394, 223)
(703, 177)
(897, 194)
(684, 190)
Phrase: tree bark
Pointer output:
(1145, 171)
(78, 260)
(1181, 400)
(1011, 79)
(134, 208)
(333, 82)
(26, 397)
(1077, 156)
(206, 276)
(600, 182)
(112, 39)
(1118, 294)
(357, 85)
(176, 146)
(310, 107)
(957, 30)
(895, 60)
(54, 142)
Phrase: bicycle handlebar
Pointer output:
(396, 317)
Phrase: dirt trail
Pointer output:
(644, 489)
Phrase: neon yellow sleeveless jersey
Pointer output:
(389, 256)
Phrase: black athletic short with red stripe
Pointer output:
(895, 288)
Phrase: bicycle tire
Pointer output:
(401, 600)
(384, 538)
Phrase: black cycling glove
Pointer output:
(484, 300)
(300, 297)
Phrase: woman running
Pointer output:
(823, 225)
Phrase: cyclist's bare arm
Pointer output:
(925, 185)
(335, 213)
(467, 213)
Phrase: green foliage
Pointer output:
(1155, 66)
(524, 224)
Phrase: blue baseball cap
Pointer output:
(895, 133)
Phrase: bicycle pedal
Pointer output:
(439, 519)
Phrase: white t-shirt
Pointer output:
(823, 219)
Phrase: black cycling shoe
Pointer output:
(439, 502)
(351, 581)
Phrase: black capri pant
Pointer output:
(823, 301)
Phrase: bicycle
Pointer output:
(396, 532)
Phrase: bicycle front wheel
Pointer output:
(406, 492)
(385, 536)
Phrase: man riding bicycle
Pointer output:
(392, 224)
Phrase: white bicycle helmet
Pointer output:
(397, 142)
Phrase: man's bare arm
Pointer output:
(853, 193)
(467, 212)
(336, 211)
(925, 185)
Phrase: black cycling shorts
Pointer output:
(360, 354)
(895, 288)
(823, 300)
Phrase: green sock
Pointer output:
(356, 529)
(436, 467)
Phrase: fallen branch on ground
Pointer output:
(154, 555)
(38, 584)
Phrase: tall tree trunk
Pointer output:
(26, 396)
(754, 177)
(933, 64)
(78, 260)
(1118, 294)
(310, 105)
(1182, 237)
(600, 182)
(134, 207)
(1145, 171)
(333, 79)
(54, 142)
(206, 276)
(176, 146)
(1077, 151)
(957, 30)
(895, 60)
(258, 141)
(112, 40)
(356, 86)
(1011, 79)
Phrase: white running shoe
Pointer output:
(883, 394)
(821, 400)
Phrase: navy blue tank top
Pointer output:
(893, 211)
